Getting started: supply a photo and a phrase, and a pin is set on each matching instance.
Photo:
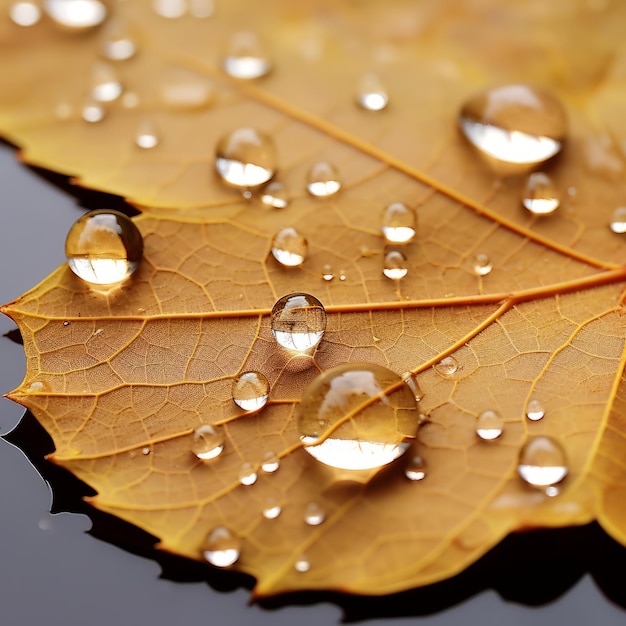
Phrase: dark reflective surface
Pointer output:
(52, 572)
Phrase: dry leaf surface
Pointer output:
(124, 377)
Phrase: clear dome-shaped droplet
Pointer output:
(147, 136)
(275, 195)
(247, 474)
(314, 514)
(76, 14)
(251, 391)
(103, 247)
(222, 547)
(25, 13)
(372, 95)
(245, 58)
(618, 220)
(93, 112)
(116, 42)
(327, 273)
(170, 9)
(415, 468)
(302, 564)
(357, 416)
(489, 425)
(411, 381)
(37, 387)
(323, 180)
(515, 123)
(540, 195)
(447, 367)
(399, 223)
(542, 462)
(208, 442)
(395, 265)
(105, 83)
(272, 509)
(271, 462)
(534, 410)
(298, 321)
(482, 265)
(245, 158)
(289, 247)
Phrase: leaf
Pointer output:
(124, 377)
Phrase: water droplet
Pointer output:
(271, 462)
(327, 273)
(25, 13)
(105, 84)
(415, 469)
(275, 195)
(552, 491)
(37, 387)
(245, 58)
(357, 417)
(323, 180)
(185, 90)
(208, 442)
(372, 95)
(272, 509)
(534, 410)
(201, 9)
(289, 247)
(395, 265)
(540, 196)
(147, 137)
(314, 514)
(514, 123)
(302, 564)
(103, 247)
(399, 223)
(146, 450)
(116, 42)
(130, 100)
(222, 547)
(66, 323)
(411, 381)
(618, 220)
(76, 14)
(542, 462)
(93, 112)
(447, 367)
(482, 265)
(298, 321)
(245, 158)
(251, 391)
(247, 474)
(170, 9)
(489, 425)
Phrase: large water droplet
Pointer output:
(372, 95)
(25, 13)
(357, 417)
(447, 367)
(105, 84)
(395, 265)
(515, 123)
(76, 14)
(185, 90)
(415, 469)
(208, 442)
(323, 180)
(489, 425)
(482, 265)
(245, 58)
(618, 220)
(247, 474)
(271, 462)
(251, 391)
(298, 321)
(542, 462)
(540, 195)
(245, 158)
(222, 547)
(314, 514)
(116, 42)
(170, 9)
(147, 137)
(103, 247)
(534, 410)
(93, 112)
(275, 195)
(399, 223)
(289, 247)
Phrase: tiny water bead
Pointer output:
(618, 220)
(327, 273)
(489, 425)
(116, 42)
(76, 14)
(105, 84)
(271, 462)
(302, 564)
(93, 112)
(540, 195)
(147, 137)
(357, 416)
(208, 442)
(399, 223)
(298, 321)
(222, 547)
(372, 95)
(272, 509)
(25, 13)
(103, 247)
(542, 462)
(515, 123)
(289, 247)
(323, 180)
(275, 195)
(411, 381)
(482, 265)
(447, 367)
(245, 58)
(245, 158)
(534, 410)
(395, 265)
(314, 514)
(251, 391)
(415, 469)
(247, 474)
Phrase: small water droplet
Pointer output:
(201, 9)
(447, 367)
(247, 474)
(170, 9)
(515, 123)
(36, 387)
(482, 265)
(534, 410)
(130, 100)
(540, 196)
(245, 58)
(552, 491)
(415, 469)
(382, 414)
(342, 275)
(25, 13)
(275, 195)
(103, 247)
(147, 137)
(271, 462)
(298, 321)
(222, 547)
(76, 14)
(105, 84)
(314, 514)
(245, 158)
(116, 42)
(399, 223)
(327, 273)
(208, 442)
(289, 247)
(542, 462)
(184, 90)
(66, 323)
(323, 180)
(395, 265)
(93, 112)
(302, 564)
(272, 509)
(411, 381)
(618, 220)
(372, 95)
(489, 425)
(251, 391)
(146, 450)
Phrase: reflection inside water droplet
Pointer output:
(222, 547)
(540, 195)
(298, 321)
(76, 14)
(323, 180)
(415, 469)
(25, 13)
(302, 564)
(372, 95)
(618, 220)
(542, 462)
(275, 195)
(398, 223)
(93, 112)
(271, 462)
(327, 273)
(105, 84)
(208, 442)
(250, 391)
(245, 58)
(534, 410)
(289, 247)
(448, 366)
(489, 425)
(314, 514)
